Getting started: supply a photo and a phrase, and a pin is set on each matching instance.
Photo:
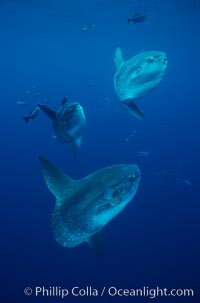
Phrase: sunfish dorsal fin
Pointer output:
(64, 100)
(57, 182)
(119, 60)
(49, 112)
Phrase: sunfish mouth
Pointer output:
(74, 107)
(165, 60)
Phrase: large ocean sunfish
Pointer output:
(83, 207)
(68, 122)
(138, 76)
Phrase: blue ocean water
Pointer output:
(155, 240)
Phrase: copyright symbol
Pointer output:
(28, 291)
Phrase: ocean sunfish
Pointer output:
(68, 122)
(83, 207)
(138, 76)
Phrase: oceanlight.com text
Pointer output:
(111, 291)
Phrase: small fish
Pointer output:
(32, 114)
(130, 136)
(36, 91)
(137, 18)
(157, 173)
(187, 182)
(89, 85)
(183, 181)
(86, 28)
(143, 153)
(22, 103)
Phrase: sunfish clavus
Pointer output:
(83, 207)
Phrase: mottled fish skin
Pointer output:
(83, 207)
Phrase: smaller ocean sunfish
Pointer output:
(68, 122)
(138, 76)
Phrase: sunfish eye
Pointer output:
(150, 60)
(72, 108)
(131, 178)
(114, 194)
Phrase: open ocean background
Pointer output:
(155, 241)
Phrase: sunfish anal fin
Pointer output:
(134, 109)
(74, 149)
(49, 112)
(57, 182)
(119, 60)
(96, 243)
